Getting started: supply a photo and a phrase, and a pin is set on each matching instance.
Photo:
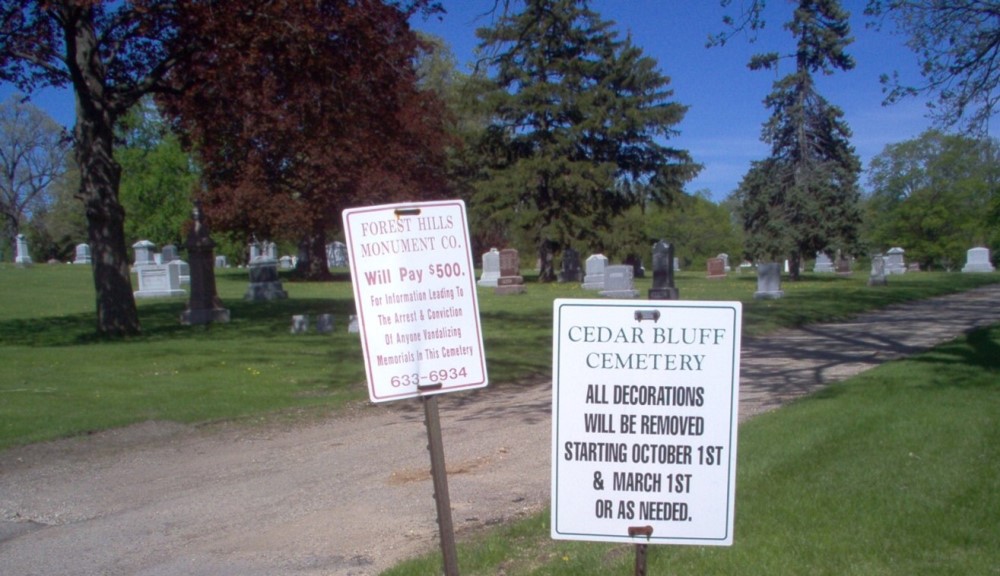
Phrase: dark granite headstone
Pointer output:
(570, 266)
(663, 273)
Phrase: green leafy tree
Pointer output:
(33, 152)
(934, 196)
(957, 44)
(111, 54)
(574, 113)
(157, 180)
(804, 197)
(57, 227)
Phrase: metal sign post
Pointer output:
(418, 314)
(435, 446)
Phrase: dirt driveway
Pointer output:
(351, 494)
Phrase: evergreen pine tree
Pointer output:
(574, 112)
(804, 197)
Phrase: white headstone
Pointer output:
(491, 269)
(82, 254)
(768, 281)
(143, 253)
(300, 324)
(593, 278)
(894, 263)
(159, 281)
(823, 263)
(978, 260)
(21, 255)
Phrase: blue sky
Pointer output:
(722, 127)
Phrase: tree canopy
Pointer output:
(804, 197)
(957, 44)
(111, 53)
(573, 113)
(936, 196)
(33, 152)
(299, 109)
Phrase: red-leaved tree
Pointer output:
(297, 110)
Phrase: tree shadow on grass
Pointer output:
(980, 348)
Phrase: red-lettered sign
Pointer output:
(415, 293)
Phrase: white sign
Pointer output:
(645, 402)
(415, 293)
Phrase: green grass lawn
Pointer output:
(59, 379)
(894, 472)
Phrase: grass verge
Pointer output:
(893, 472)
(60, 380)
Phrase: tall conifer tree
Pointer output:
(574, 110)
(804, 197)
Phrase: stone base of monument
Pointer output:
(265, 291)
(509, 285)
(768, 295)
(664, 294)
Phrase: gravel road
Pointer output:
(351, 494)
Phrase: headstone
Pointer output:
(877, 276)
(21, 255)
(143, 253)
(593, 279)
(204, 305)
(183, 271)
(768, 281)
(618, 282)
(638, 270)
(491, 268)
(570, 266)
(915, 267)
(271, 250)
(725, 261)
(336, 255)
(894, 263)
(352, 324)
(286, 263)
(510, 280)
(82, 255)
(221, 261)
(264, 281)
(823, 264)
(843, 265)
(663, 273)
(254, 251)
(158, 281)
(300, 324)
(978, 260)
(677, 264)
(168, 254)
(324, 323)
(716, 268)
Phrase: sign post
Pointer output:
(644, 421)
(418, 315)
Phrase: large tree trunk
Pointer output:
(546, 261)
(99, 177)
(312, 264)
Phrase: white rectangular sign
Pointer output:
(644, 419)
(415, 293)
